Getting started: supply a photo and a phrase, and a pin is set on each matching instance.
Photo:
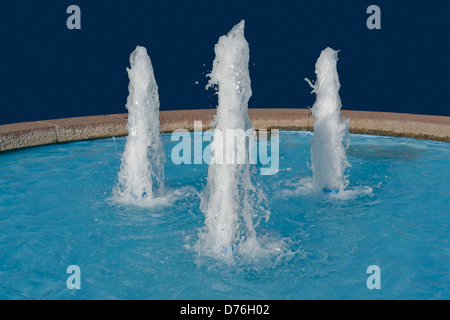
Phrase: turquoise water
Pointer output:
(56, 210)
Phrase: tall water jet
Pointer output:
(141, 176)
(330, 140)
(231, 200)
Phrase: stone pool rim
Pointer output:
(29, 134)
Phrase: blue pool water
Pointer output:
(56, 210)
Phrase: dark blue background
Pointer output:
(49, 72)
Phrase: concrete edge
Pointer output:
(29, 134)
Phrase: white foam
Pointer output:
(304, 187)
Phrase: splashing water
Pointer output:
(141, 176)
(331, 138)
(232, 202)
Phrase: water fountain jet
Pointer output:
(141, 176)
(331, 139)
(231, 200)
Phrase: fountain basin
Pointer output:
(56, 210)
(29, 134)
